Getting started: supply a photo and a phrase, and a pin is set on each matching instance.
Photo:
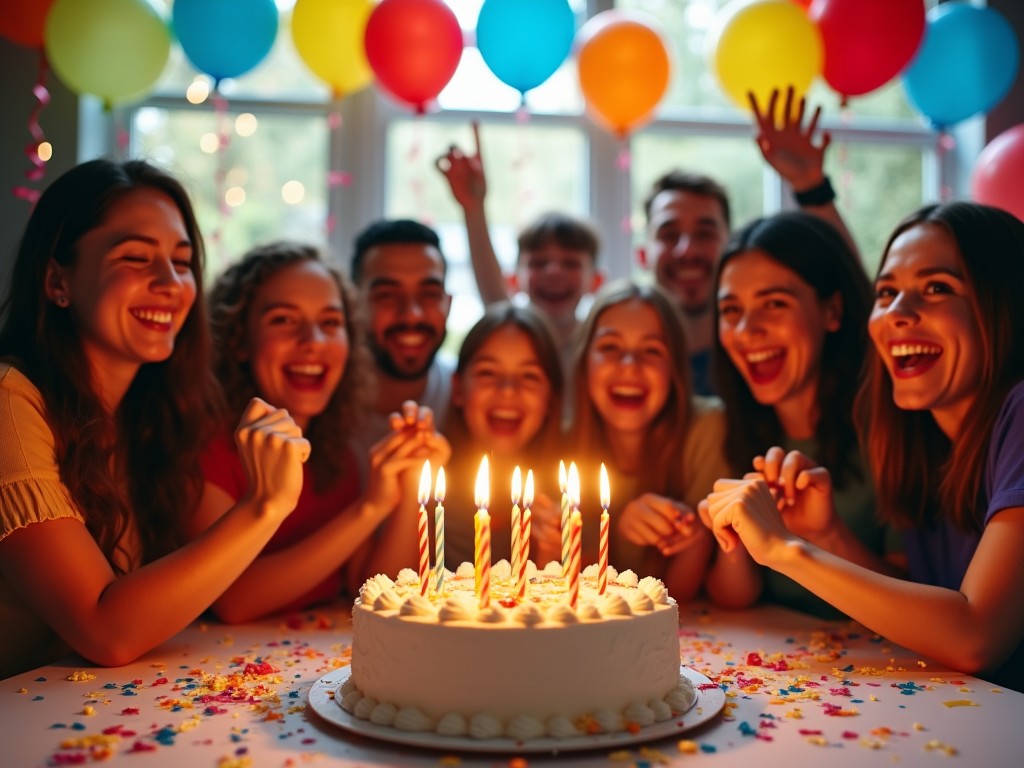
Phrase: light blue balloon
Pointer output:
(225, 38)
(523, 42)
(966, 64)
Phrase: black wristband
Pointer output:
(819, 195)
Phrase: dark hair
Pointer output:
(565, 231)
(230, 302)
(919, 472)
(538, 328)
(668, 432)
(815, 251)
(155, 435)
(389, 231)
(682, 181)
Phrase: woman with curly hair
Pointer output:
(105, 395)
(285, 328)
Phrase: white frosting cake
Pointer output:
(519, 670)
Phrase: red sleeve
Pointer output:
(222, 466)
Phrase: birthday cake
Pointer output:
(519, 668)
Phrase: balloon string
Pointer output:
(520, 166)
(843, 157)
(624, 161)
(335, 176)
(220, 109)
(38, 169)
(416, 185)
(946, 144)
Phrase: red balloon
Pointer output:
(22, 22)
(996, 179)
(867, 42)
(413, 47)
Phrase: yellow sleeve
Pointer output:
(30, 486)
(703, 459)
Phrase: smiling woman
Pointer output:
(105, 395)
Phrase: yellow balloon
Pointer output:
(758, 47)
(328, 36)
(624, 68)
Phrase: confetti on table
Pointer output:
(960, 703)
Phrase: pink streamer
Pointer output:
(38, 169)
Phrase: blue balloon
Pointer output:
(225, 38)
(966, 64)
(523, 42)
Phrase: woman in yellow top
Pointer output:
(104, 398)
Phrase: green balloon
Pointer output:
(113, 49)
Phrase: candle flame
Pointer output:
(528, 490)
(439, 488)
(606, 493)
(561, 477)
(482, 491)
(424, 493)
(517, 485)
(573, 486)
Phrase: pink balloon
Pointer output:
(996, 179)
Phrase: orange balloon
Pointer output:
(624, 68)
(23, 21)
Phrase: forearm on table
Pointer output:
(734, 580)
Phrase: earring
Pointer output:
(62, 301)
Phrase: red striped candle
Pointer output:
(424, 536)
(575, 547)
(602, 552)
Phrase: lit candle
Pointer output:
(575, 548)
(527, 524)
(424, 496)
(517, 533)
(439, 490)
(602, 551)
(575, 534)
(562, 487)
(483, 535)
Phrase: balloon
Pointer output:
(114, 49)
(524, 43)
(867, 42)
(328, 36)
(225, 38)
(623, 68)
(763, 46)
(24, 21)
(965, 65)
(996, 179)
(414, 48)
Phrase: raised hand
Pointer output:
(787, 144)
(465, 173)
(273, 450)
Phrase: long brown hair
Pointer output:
(920, 474)
(141, 463)
(230, 302)
(668, 431)
(814, 251)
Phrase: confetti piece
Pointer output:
(687, 747)
(960, 703)
(80, 676)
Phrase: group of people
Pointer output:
(774, 427)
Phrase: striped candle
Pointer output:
(483, 557)
(421, 527)
(527, 531)
(602, 552)
(517, 532)
(563, 487)
(439, 489)
(575, 547)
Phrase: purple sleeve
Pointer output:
(1004, 473)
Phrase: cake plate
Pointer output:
(710, 701)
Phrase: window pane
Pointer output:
(530, 169)
(259, 198)
(876, 186)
